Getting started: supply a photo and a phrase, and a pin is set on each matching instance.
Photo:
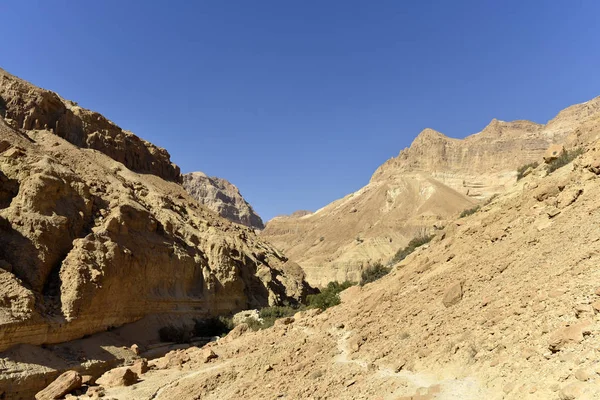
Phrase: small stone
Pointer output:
(572, 391)
(268, 368)
(350, 382)
(207, 354)
(509, 387)
(582, 375)
(136, 349)
(453, 295)
(140, 367)
(122, 376)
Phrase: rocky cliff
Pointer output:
(92, 236)
(25, 106)
(423, 187)
(223, 197)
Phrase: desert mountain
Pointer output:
(423, 187)
(95, 233)
(502, 304)
(223, 197)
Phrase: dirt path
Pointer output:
(446, 389)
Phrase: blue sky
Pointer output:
(298, 102)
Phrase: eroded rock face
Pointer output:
(27, 107)
(222, 197)
(420, 190)
(87, 244)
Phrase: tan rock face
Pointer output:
(87, 244)
(223, 197)
(28, 107)
(423, 187)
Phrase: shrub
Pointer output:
(410, 247)
(563, 159)
(523, 168)
(469, 211)
(329, 296)
(216, 326)
(269, 315)
(373, 273)
(177, 334)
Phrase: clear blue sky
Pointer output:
(298, 102)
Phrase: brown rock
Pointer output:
(568, 334)
(122, 376)
(553, 152)
(140, 367)
(453, 294)
(207, 354)
(65, 383)
(572, 391)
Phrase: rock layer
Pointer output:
(223, 197)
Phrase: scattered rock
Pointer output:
(568, 334)
(453, 294)
(572, 391)
(65, 383)
(122, 376)
(140, 367)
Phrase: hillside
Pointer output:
(502, 304)
(426, 185)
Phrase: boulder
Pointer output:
(122, 376)
(453, 294)
(65, 383)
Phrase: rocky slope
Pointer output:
(88, 244)
(425, 185)
(223, 197)
(502, 304)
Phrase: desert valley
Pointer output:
(462, 269)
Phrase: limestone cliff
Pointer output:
(87, 243)
(223, 197)
(424, 186)
(25, 106)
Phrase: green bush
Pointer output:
(329, 296)
(563, 159)
(410, 247)
(216, 326)
(469, 211)
(269, 315)
(523, 168)
(177, 334)
(373, 273)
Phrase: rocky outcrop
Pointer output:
(87, 244)
(223, 197)
(420, 190)
(26, 107)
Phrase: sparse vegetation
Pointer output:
(217, 326)
(469, 211)
(329, 296)
(373, 273)
(524, 168)
(563, 159)
(410, 247)
(177, 334)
